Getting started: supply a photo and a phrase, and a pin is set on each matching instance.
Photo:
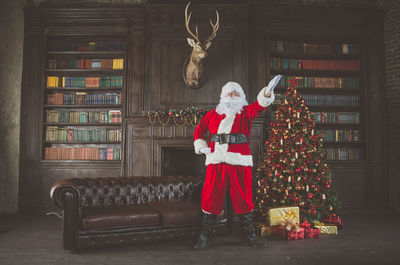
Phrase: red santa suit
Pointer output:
(229, 163)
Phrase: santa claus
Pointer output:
(228, 157)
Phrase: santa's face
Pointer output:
(231, 104)
(232, 94)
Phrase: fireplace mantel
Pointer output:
(146, 142)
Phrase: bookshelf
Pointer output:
(330, 81)
(83, 98)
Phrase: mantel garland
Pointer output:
(189, 116)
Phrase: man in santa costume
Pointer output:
(228, 157)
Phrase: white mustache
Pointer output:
(231, 106)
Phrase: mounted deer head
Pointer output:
(194, 69)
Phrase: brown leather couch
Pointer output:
(122, 210)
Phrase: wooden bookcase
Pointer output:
(330, 81)
(83, 98)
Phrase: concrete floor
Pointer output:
(367, 238)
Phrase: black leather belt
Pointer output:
(233, 138)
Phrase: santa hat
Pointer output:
(231, 86)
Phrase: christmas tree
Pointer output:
(294, 171)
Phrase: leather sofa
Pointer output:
(121, 210)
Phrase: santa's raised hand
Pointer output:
(272, 84)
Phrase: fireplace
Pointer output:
(181, 161)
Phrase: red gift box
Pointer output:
(290, 235)
(333, 219)
(309, 232)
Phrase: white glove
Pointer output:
(272, 84)
(206, 150)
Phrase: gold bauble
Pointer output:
(330, 208)
(280, 151)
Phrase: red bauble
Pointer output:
(328, 186)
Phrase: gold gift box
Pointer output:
(327, 229)
(275, 216)
(263, 230)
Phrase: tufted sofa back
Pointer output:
(121, 191)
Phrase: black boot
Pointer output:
(204, 237)
(249, 232)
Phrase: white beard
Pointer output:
(231, 106)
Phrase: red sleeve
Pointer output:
(253, 110)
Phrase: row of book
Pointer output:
(348, 135)
(109, 45)
(82, 153)
(335, 117)
(74, 63)
(321, 82)
(332, 100)
(66, 116)
(55, 133)
(305, 64)
(83, 98)
(314, 48)
(342, 154)
(85, 81)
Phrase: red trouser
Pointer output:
(216, 182)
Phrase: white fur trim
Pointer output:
(264, 101)
(198, 144)
(206, 211)
(224, 127)
(229, 158)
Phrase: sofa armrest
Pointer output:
(60, 188)
(66, 195)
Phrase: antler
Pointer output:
(187, 20)
(215, 29)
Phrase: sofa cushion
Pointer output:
(178, 212)
(100, 218)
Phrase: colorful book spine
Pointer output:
(82, 153)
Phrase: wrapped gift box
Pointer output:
(327, 229)
(263, 230)
(290, 235)
(309, 232)
(275, 216)
(334, 219)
